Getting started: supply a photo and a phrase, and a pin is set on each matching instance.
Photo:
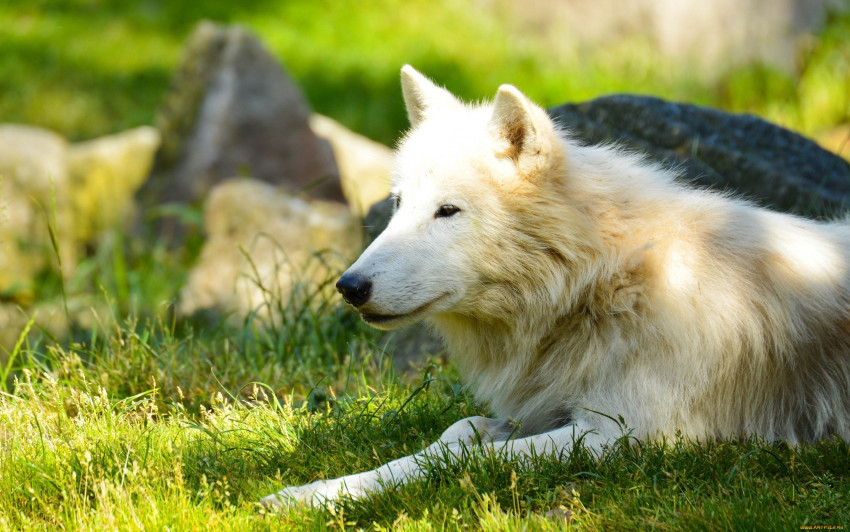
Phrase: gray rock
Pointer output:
(78, 189)
(34, 190)
(261, 242)
(232, 110)
(742, 153)
(105, 174)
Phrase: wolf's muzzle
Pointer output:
(355, 289)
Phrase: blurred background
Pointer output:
(86, 68)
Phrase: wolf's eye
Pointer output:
(445, 211)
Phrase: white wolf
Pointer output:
(573, 281)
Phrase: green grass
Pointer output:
(142, 420)
(151, 428)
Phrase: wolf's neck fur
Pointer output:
(520, 367)
(548, 331)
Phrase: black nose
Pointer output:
(354, 288)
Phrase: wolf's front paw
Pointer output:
(283, 498)
(319, 492)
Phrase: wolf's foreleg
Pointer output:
(466, 431)
(490, 432)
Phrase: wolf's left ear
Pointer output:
(421, 96)
(525, 129)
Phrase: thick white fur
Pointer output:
(580, 280)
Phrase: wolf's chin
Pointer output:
(387, 322)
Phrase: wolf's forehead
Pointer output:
(440, 172)
(432, 154)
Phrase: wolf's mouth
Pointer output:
(377, 319)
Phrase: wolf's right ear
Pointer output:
(525, 130)
(422, 96)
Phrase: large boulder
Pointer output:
(232, 110)
(34, 192)
(261, 240)
(742, 153)
(87, 186)
(75, 191)
(105, 174)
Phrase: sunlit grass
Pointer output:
(77, 457)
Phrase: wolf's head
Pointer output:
(470, 231)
